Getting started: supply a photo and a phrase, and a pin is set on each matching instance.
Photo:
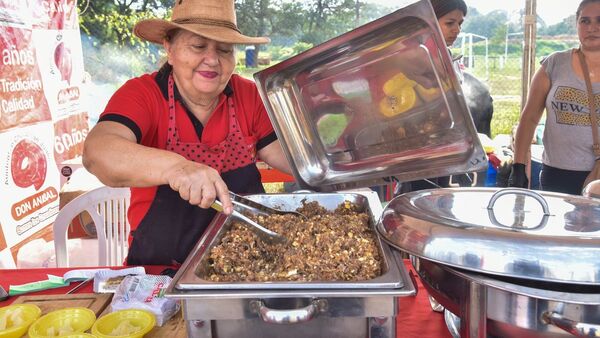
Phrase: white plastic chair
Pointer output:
(107, 207)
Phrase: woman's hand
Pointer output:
(531, 115)
(198, 184)
(518, 177)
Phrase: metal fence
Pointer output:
(502, 75)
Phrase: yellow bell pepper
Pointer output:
(428, 94)
(400, 95)
(401, 101)
(397, 82)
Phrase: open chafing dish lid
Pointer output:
(377, 104)
(511, 232)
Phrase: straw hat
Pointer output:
(213, 19)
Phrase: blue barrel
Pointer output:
(250, 57)
(490, 179)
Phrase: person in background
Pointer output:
(559, 87)
(185, 135)
(451, 15)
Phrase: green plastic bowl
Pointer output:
(29, 313)
(144, 320)
(73, 319)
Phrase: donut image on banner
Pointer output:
(29, 181)
(61, 67)
(28, 164)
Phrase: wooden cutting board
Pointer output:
(48, 303)
(174, 328)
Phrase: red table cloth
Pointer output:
(415, 318)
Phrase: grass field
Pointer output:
(503, 77)
(506, 116)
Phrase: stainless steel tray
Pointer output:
(331, 110)
(197, 262)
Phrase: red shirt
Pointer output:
(142, 105)
(141, 100)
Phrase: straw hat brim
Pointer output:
(155, 30)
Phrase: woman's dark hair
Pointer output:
(443, 7)
(580, 7)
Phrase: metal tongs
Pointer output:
(247, 204)
(253, 206)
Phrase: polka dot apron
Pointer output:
(234, 152)
(171, 228)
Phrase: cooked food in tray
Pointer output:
(334, 245)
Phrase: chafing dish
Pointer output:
(332, 309)
(504, 262)
(194, 279)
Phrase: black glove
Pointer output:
(518, 178)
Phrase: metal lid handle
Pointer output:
(573, 327)
(519, 191)
(290, 316)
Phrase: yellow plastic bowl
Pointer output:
(29, 313)
(105, 325)
(77, 319)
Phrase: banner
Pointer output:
(60, 63)
(54, 14)
(22, 97)
(29, 180)
(42, 119)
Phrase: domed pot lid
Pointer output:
(510, 232)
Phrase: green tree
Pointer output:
(370, 12)
(111, 51)
(565, 27)
(485, 25)
(328, 18)
(288, 19)
(111, 21)
(253, 16)
(499, 35)
(292, 25)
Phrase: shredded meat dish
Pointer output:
(327, 246)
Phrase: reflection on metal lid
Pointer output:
(378, 103)
(513, 232)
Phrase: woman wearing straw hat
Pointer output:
(184, 135)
